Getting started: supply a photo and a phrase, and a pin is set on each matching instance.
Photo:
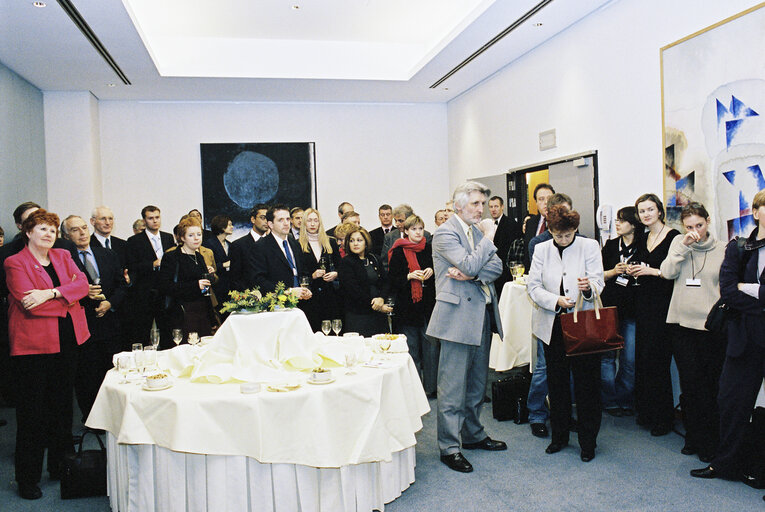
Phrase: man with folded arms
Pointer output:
(465, 314)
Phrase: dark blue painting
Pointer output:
(237, 176)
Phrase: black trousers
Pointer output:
(147, 310)
(94, 359)
(43, 392)
(699, 357)
(654, 402)
(586, 373)
(739, 385)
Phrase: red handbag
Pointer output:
(591, 331)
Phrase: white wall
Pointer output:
(367, 154)
(22, 147)
(598, 84)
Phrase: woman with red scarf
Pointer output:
(410, 276)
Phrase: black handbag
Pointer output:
(718, 317)
(508, 396)
(84, 473)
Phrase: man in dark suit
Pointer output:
(385, 213)
(276, 258)
(144, 256)
(242, 248)
(342, 208)
(102, 220)
(506, 231)
(537, 224)
(296, 220)
(101, 305)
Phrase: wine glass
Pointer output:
(305, 282)
(337, 326)
(326, 326)
(193, 338)
(637, 264)
(177, 336)
(512, 265)
(385, 346)
(391, 302)
(350, 362)
(123, 366)
(209, 277)
(154, 338)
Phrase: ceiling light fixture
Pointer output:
(537, 24)
(39, 4)
(296, 7)
(111, 85)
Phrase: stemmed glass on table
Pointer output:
(337, 326)
(350, 362)
(326, 327)
(154, 338)
(124, 363)
(385, 346)
(149, 357)
(193, 338)
(138, 357)
(177, 336)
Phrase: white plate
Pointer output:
(147, 388)
(311, 381)
(282, 387)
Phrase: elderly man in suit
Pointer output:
(277, 257)
(143, 257)
(103, 300)
(465, 265)
(102, 220)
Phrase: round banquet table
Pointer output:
(518, 347)
(343, 446)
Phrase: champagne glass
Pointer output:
(337, 326)
(154, 337)
(206, 289)
(177, 336)
(326, 327)
(520, 269)
(637, 264)
(513, 266)
(350, 362)
(305, 282)
(123, 366)
(391, 302)
(193, 338)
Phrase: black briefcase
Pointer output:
(84, 472)
(509, 394)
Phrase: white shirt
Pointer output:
(753, 289)
(156, 243)
(255, 236)
(102, 239)
(280, 242)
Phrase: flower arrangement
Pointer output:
(252, 300)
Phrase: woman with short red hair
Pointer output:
(46, 323)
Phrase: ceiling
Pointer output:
(276, 50)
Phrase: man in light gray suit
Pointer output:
(465, 264)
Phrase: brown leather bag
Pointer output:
(591, 331)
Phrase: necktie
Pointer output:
(89, 268)
(496, 223)
(295, 283)
(542, 226)
(157, 247)
(484, 288)
(386, 230)
(108, 243)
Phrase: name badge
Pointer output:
(694, 283)
(622, 281)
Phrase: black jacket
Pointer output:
(355, 286)
(268, 265)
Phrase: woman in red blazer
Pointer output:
(45, 324)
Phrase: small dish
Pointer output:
(309, 380)
(147, 388)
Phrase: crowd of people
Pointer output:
(71, 290)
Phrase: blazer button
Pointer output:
(469, 299)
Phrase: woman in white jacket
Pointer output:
(693, 262)
(561, 269)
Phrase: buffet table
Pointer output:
(517, 348)
(345, 445)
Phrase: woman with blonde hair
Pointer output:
(320, 258)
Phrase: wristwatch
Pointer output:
(659, 272)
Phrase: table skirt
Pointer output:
(149, 478)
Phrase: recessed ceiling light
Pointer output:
(537, 24)
(39, 4)
(446, 88)
(296, 7)
(111, 85)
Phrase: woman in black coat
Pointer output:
(182, 278)
(320, 258)
(362, 286)
(410, 275)
(222, 227)
(742, 288)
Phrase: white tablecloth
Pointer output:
(517, 348)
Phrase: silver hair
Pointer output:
(462, 193)
(94, 213)
(63, 224)
(403, 209)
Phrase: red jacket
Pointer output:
(36, 331)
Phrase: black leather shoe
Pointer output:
(616, 412)
(587, 455)
(628, 411)
(689, 450)
(486, 444)
(661, 429)
(431, 396)
(29, 491)
(539, 430)
(457, 462)
(707, 472)
(555, 447)
(487, 399)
